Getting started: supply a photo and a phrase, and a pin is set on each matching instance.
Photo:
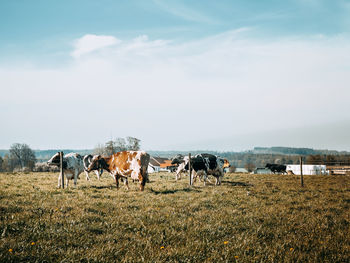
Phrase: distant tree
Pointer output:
(133, 144)
(249, 166)
(21, 156)
(99, 149)
(110, 148)
(314, 159)
(6, 164)
(120, 144)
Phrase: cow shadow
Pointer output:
(103, 187)
(242, 184)
(166, 192)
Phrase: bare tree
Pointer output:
(99, 149)
(120, 144)
(110, 148)
(133, 143)
(21, 155)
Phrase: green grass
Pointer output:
(249, 218)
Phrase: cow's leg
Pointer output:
(177, 177)
(126, 183)
(97, 172)
(87, 176)
(75, 178)
(194, 176)
(205, 178)
(142, 179)
(117, 180)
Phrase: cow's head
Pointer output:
(226, 163)
(97, 163)
(55, 160)
(177, 159)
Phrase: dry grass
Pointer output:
(249, 218)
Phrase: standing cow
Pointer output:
(276, 168)
(124, 164)
(86, 162)
(181, 162)
(73, 165)
(202, 165)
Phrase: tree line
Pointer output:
(20, 158)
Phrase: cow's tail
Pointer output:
(145, 158)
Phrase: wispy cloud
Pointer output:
(181, 10)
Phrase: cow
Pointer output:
(276, 168)
(181, 161)
(124, 164)
(86, 162)
(72, 166)
(202, 164)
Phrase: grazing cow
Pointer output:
(202, 164)
(124, 164)
(87, 161)
(181, 168)
(72, 166)
(276, 168)
(208, 164)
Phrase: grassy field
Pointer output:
(249, 218)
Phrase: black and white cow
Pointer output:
(73, 165)
(276, 168)
(202, 165)
(87, 161)
(181, 162)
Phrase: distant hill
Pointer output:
(294, 151)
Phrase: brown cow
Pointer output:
(124, 164)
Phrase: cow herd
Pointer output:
(134, 164)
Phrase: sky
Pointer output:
(179, 75)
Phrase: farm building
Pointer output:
(308, 169)
(338, 169)
(241, 170)
(159, 164)
(262, 170)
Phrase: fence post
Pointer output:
(301, 172)
(190, 168)
(61, 169)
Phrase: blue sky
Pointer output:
(127, 65)
(32, 28)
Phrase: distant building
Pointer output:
(308, 169)
(241, 170)
(262, 170)
(159, 164)
(338, 169)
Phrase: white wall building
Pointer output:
(308, 169)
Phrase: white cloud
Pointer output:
(170, 94)
(89, 43)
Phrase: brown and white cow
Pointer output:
(124, 164)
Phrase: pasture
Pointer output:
(249, 218)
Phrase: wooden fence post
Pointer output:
(190, 168)
(61, 169)
(301, 172)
